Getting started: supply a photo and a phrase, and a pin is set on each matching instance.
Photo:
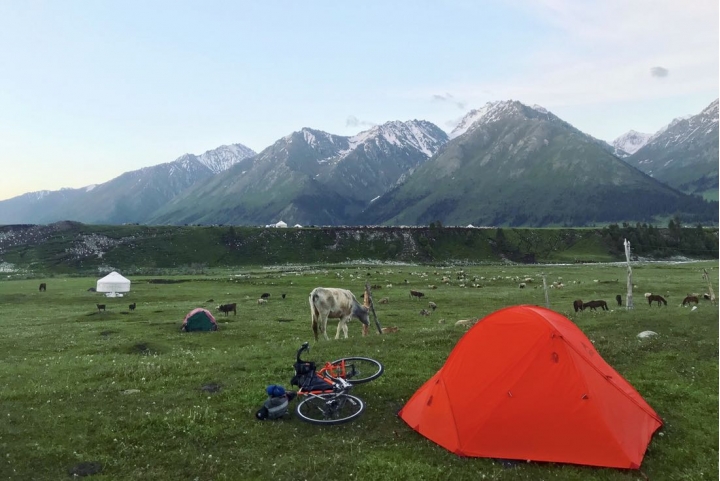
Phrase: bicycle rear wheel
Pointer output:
(357, 370)
(329, 408)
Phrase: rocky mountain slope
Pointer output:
(511, 164)
(130, 197)
(309, 177)
(684, 154)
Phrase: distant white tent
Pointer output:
(297, 226)
(281, 224)
(470, 226)
(113, 285)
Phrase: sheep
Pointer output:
(522, 285)
(389, 286)
(424, 312)
(335, 303)
(384, 300)
(432, 305)
(261, 301)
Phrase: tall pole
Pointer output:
(547, 299)
(710, 289)
(629, 300)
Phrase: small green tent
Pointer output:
(199, 320)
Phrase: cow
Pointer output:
(100, 307)
(330, 302)
(132, 306)
(227, 308)
(264, 295)
(618, 298)
(593, 304)
(578, 305)
(43, 287)
(416, 294)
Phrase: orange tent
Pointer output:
(525, 383)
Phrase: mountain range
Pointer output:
(505, 163)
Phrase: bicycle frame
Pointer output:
(329, 373)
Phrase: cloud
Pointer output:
(448, 97)
(353, 121)
(659, 72)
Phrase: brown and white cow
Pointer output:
(335, 303)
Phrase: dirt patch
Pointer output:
(144, 349)
(85, 469)
(107, 333)
(285, 320)
(167, 281)
(211, 388)
(156, 312)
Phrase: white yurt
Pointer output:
(113, 285)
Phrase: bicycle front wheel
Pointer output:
(329, 408)
(357, 370)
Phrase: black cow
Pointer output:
(100, 307)
(264, 295)
(228, 308)
(43, 287)
(416, 294)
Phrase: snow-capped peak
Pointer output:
(631, 141)
(419, 134)
(490, 112)
(224, 157)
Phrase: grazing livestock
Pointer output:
(389, 286)
(43, 287)
(416, 294)
(594, 304)
(707, 297)
(648, 294)
(689, 299)
(618, 298)
(264, 295)
(283, 295)
(432, 286)
(578, 305)
(100, 307)
(424, 312)
(330, 302)
(522, 285)
(432, 305)
(384, 300)
(228, 308)
(132, 306)
(261, 302)
(656, 298)
(91, 289)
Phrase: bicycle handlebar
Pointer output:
(304, 347)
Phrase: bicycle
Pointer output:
(327, 399)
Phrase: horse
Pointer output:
(618, 298)
(655, 297)
(689, 299)
(578, 305)
(43, 287)
(594, 304)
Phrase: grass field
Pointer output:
(66, 371)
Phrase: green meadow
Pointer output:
(130, 392)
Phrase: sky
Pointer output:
(89, 90)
